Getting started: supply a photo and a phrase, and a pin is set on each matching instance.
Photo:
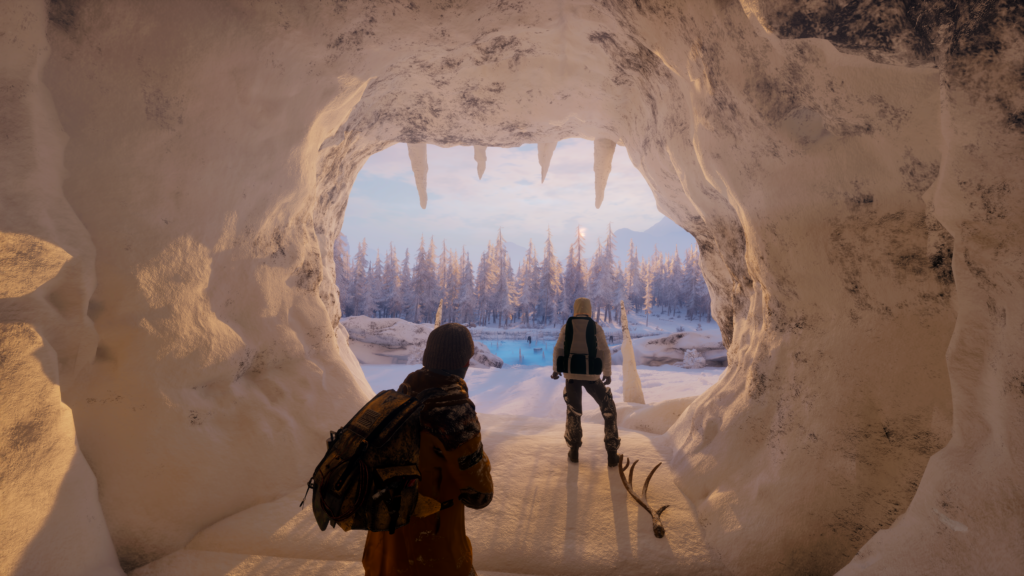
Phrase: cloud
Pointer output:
(465, 211)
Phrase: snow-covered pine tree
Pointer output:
(343, 274)
(529, 282)
(596, 278)
(391, 290)
(407, 292)
(699, 304)
(466, 298)
(607, 288)
(485, 280)
(377, 286)
(675, 284)
(550, 283)
(646, 269)
(574, 284)
(634, 282)
(362, 291)
(424, 284)
(503, 298)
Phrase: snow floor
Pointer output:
(548, 516)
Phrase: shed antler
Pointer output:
(659, 530)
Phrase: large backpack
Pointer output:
(580, 350)
(369, 478)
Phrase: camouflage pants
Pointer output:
(573, 395)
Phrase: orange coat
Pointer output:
(453, 467)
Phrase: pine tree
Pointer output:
(343, 274)
(485, 279)
(424, 284)
(575, 280)
(362, 291)
(648, 275)
(675, 283)
(408, 293)
(391, 289)
(377, 287)
(503, 297)
(634, 283)
(550, 283)
(611, 286)
(529, 285)
(466, 298)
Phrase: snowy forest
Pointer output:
(541, 291)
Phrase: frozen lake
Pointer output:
(530, 391)
(537, 353)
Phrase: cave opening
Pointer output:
(180, 173)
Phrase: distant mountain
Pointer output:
(666, 235)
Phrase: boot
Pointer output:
(613, 459)
(574, 454)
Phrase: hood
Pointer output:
(425, 378)
(581, 307)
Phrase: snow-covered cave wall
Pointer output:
(210, 151)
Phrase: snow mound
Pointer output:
(397, 341)
(682, 349)
(654, 418)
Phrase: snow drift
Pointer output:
(852, 178)
(397, 341)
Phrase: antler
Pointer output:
(659, 530)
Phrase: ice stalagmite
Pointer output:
(603, 151)
(418, 157)
(631, 390)
(480, 155)
(544, 152)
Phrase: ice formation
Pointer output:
(418, 159)
(545, 150)
(480, 155)
(853, 177)
(603, 151)
(631, 386)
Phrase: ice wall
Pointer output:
(854, 186)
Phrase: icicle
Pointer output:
(418, 158)
(603, 150)
(544, 152)
(480, 155)
(631, 390)
(437, 318)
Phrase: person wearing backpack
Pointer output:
(454, 468)
(582, 354)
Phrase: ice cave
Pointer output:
(174, 174)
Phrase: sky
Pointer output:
(465, 211)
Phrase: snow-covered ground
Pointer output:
(548, 516)
(530, 391)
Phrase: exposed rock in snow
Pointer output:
(683, 349)
(545, 150)
(852, 178)
(397, 341)
(604, 149)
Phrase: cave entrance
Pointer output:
(507, 240)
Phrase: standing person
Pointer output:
(587, 341)
(454, 469)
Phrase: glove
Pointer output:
(555, 375)
(606, 380)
